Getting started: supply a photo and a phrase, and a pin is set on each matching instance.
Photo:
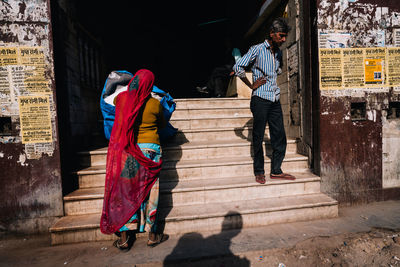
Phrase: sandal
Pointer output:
(284, 176)
(260, 178)
(159, 239)
(122, 246)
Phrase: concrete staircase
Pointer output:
(206, 179)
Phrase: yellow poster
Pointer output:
(34, 69)
(353, 70)
(374, 66)
(35, 120)
(330, 68)
(393, 66)
(8, 56)
(24, 70)
(373, 71)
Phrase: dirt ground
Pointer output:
(375, 248)
(379, 247)
(365, 235)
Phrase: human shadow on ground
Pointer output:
(193, 249)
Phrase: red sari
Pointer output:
(129, 174)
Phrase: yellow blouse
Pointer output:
(150, 121)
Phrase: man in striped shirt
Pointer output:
(265, 60)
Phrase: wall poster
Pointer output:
(365, 68)
(35, 119)
(353, 69)
(393, 66)
(396, 37)
(25, 94)
(23, 70)
(330, 68)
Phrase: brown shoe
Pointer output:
(283, 176)
(260, 178)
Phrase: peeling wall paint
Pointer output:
(31, 196)
(23, 11)
(22, 159)
(349, 164)
(357, 163)
(367, 21)
(391, 153)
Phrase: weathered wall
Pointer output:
(353, 109)
(391, 144)
(30, 179)
(289, 81)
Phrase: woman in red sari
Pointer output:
(133, 164)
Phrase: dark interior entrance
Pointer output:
(181, 42)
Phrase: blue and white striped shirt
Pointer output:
(264, 64)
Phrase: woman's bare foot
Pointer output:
(123, 242)
(155, 239)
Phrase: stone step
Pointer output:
(206, 181)
(239, 122)
(224, 167)
(208, 217)
(84, 201)
(202, 113)
(227, 133)
(217, 190)
(260, 212)
(218, 149)
(204, 103)
(233, 134)
(213, 190)
(78, 228)
(212, 122)
(191, 151)
(94, 176)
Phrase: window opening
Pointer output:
(393, 111)
(5, 126)
(358, 111)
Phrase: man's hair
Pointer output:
(279, 25)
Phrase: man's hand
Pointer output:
(260, 81)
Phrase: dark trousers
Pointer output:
(265, 111)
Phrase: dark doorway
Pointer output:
(181, 42)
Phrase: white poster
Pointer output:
(396, 37)
(334, 39)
